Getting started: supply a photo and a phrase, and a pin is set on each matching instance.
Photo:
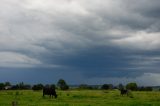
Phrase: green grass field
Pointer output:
(80, 98)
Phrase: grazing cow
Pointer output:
(124, 92)
(49, 91)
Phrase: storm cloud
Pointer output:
(93, 40)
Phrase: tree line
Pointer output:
(130, 86)
(62, 85)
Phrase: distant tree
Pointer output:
(132, 86)
(149, 88)
(145, 88)
(22, 86)
(62, 84)
(85, 86)
(105, 86)
(7, 84)
(2, 85)
(111, 86)
(120, 86)
(37, 87)
(141, 88)
(53, 86)
(15, 87)
(27, 86)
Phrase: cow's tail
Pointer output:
(55, 95)
(43, 93)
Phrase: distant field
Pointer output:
(80, 98)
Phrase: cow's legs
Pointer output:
(43, 94)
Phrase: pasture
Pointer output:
(80, 98)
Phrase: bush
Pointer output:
(15, 87)
(132, 86)
(2, 85)
(37, 87)
(62, 84)
(120, 86)
(145, 89)
(105, 87)
(85, 86)
(53, 86)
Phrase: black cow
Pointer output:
(49, 91)
(124, 92)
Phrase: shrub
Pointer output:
(132, 86)
(62, 84)
(2, 85)
(85, 86)
(105, 86)
(37, 87)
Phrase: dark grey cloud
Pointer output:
(91, 39)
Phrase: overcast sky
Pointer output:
(81, 41)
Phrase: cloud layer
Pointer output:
(97, 38)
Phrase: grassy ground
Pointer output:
(80, 98)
